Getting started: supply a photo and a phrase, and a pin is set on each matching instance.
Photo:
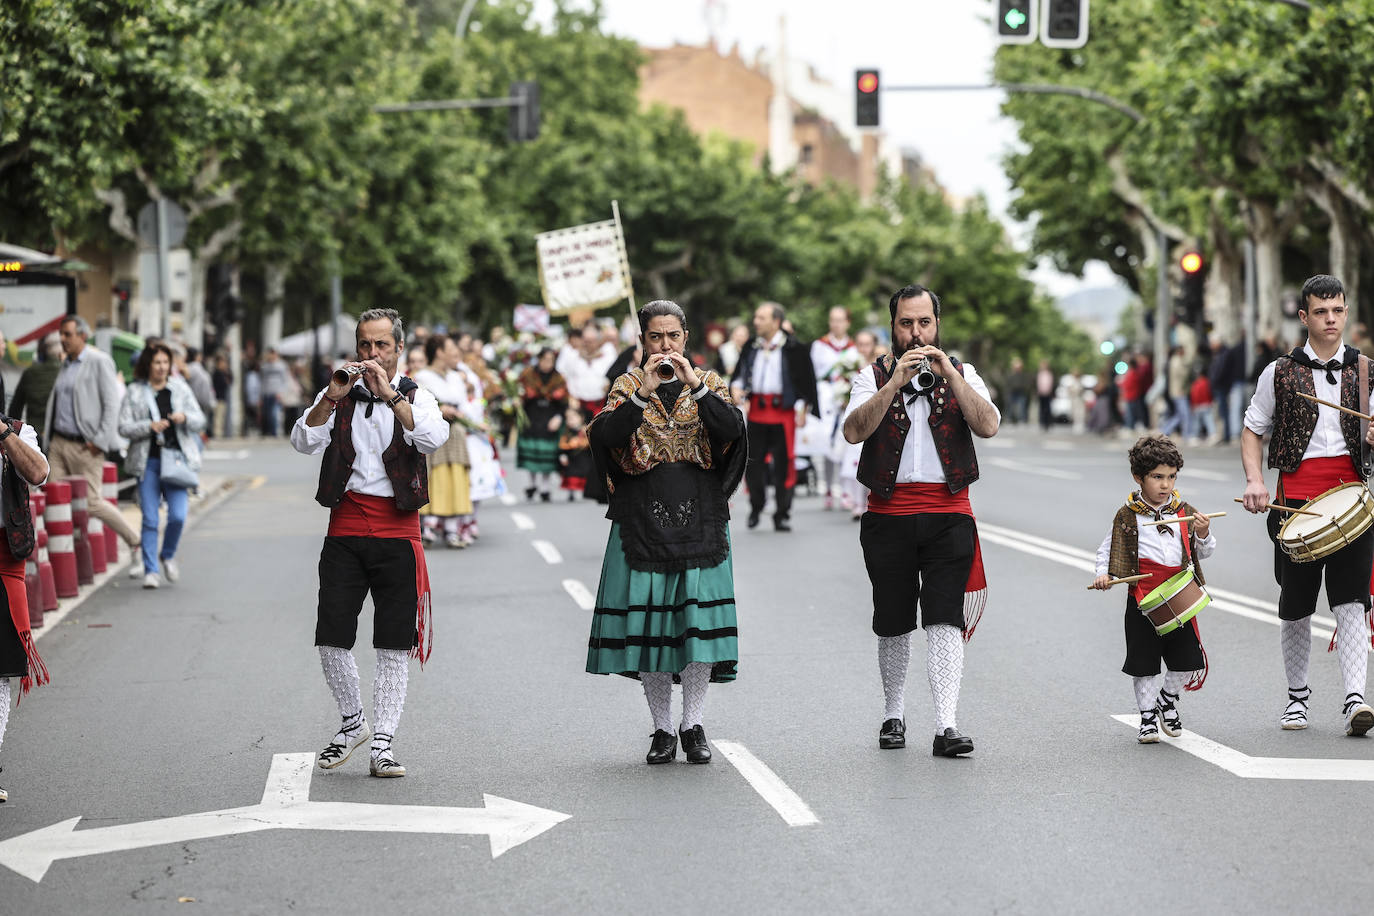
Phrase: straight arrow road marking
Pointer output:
(1247, 767)
(522, 521)
(765, 782)
(285, 805)
(548, 552)
(580, 594)
(1223, 600)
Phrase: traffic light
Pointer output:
(1064, 24)
(524, 116)
(1194, 275)
(866, 98)
(1016, 21)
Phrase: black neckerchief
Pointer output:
(359, 393)
(1349, 357)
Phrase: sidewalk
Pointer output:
(214, 489)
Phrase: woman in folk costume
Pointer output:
(545, 397)
(853, 495)
(24, 466)
(672, 450)
(486, 479)
(450, 502)
(1139, 544)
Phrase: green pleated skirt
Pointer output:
(537, 453)
(661, 621)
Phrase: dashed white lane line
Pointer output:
(1023, 468)
(765, 782)
(579, 592)
(522, 521)
(548, 552)
(1222, 600)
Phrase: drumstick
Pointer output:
(1285, 508)
(1188, 518)
(1353, 413)
(1124, 579)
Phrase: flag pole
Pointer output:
(625, 261)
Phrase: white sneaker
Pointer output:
(171, 570)
(136, 569)
(335, 753)
(1294, 717)
(1359, 717)
(386, 767)
(151, 581)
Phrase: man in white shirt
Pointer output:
(583, 363)
(916, 413)
(374, 481)
(826, 354)
(1316, 448)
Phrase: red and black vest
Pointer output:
(405, 466)
(1295, 417)
(882, 451)
(18, 517)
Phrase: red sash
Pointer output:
(361, 516)
(16, 592)
(1317, 475)
(762, 409)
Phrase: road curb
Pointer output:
(228, 487)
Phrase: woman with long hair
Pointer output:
(162, 421)
(545, 396)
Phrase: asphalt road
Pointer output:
(173, 703)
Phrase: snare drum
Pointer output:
(1346, 512)
(1175, 602)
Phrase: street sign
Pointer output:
(147, 224)
(285, 805)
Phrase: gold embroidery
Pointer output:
(661, 436)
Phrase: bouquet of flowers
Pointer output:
(841, 377)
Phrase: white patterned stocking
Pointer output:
(894, 656)
(388, 697)
(1295, 636)
(4, 707)
(1352, 645)
(658, 690)
(696, 677)
(945, 669)
(1146, 692)
(341, 674)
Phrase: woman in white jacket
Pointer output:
(160, 416)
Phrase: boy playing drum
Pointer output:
(1140, 544)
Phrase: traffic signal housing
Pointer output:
(524, 115)
(1064, 24)
(1016, 21)
(866, 86)
(1190, 291)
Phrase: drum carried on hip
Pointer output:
(1343, 514)
(1174, 602)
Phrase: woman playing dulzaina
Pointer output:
(671, 446)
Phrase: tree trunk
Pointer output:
(1263, 223)
(1343, 244)
(274, 280)
(1223, 295)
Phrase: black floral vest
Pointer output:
(882, 451)
(18, 516)
(1295, 417)
(405, 466)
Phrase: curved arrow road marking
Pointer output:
(285, 805)
(1247, 767)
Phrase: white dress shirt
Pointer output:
(1327, 439)
(920, 462)
(1166, 549)
(768, 368)
(372, 436)
(586, 378)
(64, 410)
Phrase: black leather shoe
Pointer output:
(753, 519)
(951, 744)
(529, 494)
(694, 746)
(781, 524)
(663, 749)
(892, 735)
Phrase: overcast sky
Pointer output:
(961, 135)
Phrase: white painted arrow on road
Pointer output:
(1247, 767)
(285, 805)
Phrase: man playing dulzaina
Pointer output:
(916, 413)
(375, 428)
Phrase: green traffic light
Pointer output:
(1015, 18)
(1107, 348)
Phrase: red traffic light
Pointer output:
(868, 82)
(1191, 262)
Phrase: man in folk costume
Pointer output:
(919, 538)
(1138, 543)
(24, 466)
(775, 378)
(828, 355)
(1316, 448)
(375, 430)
